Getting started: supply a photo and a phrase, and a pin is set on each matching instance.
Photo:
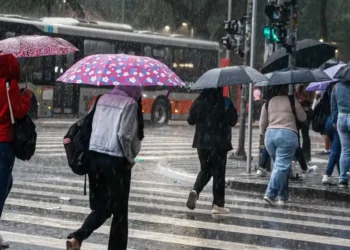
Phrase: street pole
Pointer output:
(229, 16)
(293, 37)
(251, 104)
(240, 153)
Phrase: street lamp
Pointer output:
(167, 28)
(321, 40)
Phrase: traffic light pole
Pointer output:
(251, 104)
(240, 153)
(293, 37)
(229, 16)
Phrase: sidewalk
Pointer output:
(237, 178)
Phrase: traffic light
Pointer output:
(276, 33)
(279, 16)
(229, 42)
(270, 34)
(231, 27)
(234, 39)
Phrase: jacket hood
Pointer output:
(9, 67)
(134, 92)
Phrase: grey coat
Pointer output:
(115, 126)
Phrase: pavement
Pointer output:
(47, 203)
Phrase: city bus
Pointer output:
(188, 58)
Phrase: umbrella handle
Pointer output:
(169, 92)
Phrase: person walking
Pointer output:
(213, 141)
(9, 72)
(278, 124)
(305, 126)
(340, 107)
(257, 103)
(333, 136)
(117, 132)
(327, 143)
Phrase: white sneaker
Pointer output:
(281, 203)
(192, 200)
(220, 210)
(327, 180)
(269, 201)
(3, 243)
(261, 172)
(309, 170)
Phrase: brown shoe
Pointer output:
(73, 244)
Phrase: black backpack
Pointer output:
(24, 134)
(76, 143)
(321, 113)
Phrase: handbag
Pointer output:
(24, 134)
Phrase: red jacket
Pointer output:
(9, 69)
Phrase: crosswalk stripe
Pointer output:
(178, 239)
(196, 224)
(42, 241)
(182, 209)
(229, 200)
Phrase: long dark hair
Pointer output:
(141, 133)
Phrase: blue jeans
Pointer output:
(7, 160)
(335, 154)
(344, 135)
(329, 128)
(281, 144)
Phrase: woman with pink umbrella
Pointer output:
(117, 132)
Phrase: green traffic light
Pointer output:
(270, 34)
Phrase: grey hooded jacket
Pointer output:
(115, 126)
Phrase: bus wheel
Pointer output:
(160, 113)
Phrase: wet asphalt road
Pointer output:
(38, 215)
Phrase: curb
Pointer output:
(302, 192)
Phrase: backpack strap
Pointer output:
(9, 102)
(95, 104)
(292, 104)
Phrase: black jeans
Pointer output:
(109, 183)
(213, 164)
(305, 126)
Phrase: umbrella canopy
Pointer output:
(34, 46)
(331, 63)
(309, 54)
(295, 76)
(331, 72)
(343, 74)
(221, 77)
(120, 69)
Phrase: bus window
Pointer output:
(147, 51)
(158, 53)
(10, 34)
(92, 47)
(168, 59)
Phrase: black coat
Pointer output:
(213, 122)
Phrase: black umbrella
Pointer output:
(330, 63)
(295, 76)
(343, 74)
(221, 77)
(309, 54)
